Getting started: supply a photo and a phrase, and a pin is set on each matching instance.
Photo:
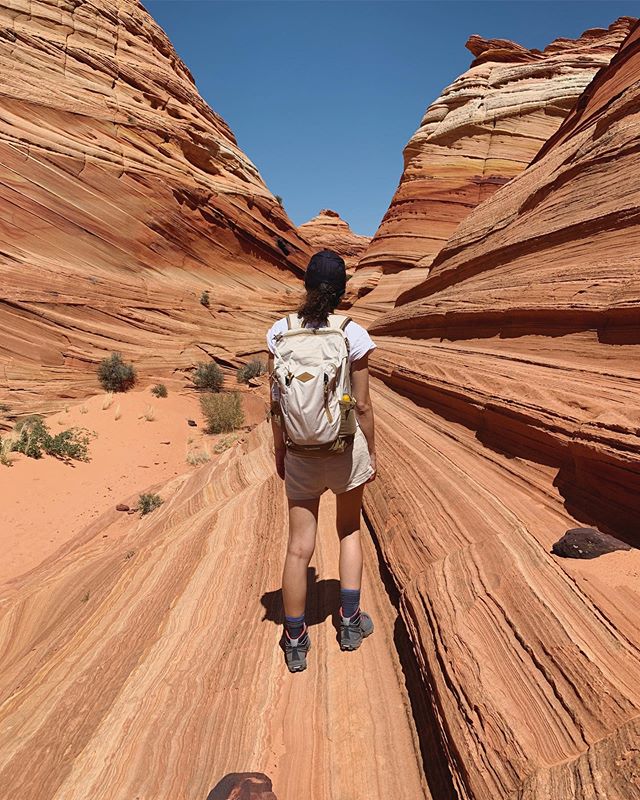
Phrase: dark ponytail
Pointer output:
(318, 304)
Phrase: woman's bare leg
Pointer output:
(348, 509)
(303, 523)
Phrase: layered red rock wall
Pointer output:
(482, 131)
(328, 230)
(122, 197)
(508, 410)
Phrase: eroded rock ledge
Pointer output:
(480, 133)
(123, 196)
(507, 411)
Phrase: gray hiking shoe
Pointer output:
(295, 650)
(354, 629)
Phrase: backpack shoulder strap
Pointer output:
(339, 321)
(293, 322)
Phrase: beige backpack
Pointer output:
(311, 369)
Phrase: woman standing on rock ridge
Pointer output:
(323, 433)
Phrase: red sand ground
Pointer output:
(45, 502)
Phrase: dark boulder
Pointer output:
(243, 786)
(587, 543)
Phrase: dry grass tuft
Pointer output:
(225, 444)
(196, 457)
(6, 446)
(222, 412)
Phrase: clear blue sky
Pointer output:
(323, 96)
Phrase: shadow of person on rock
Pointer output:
(323, 600)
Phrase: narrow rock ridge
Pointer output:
(328, 230)
(122, 197)
(506, 394)
(481, 132)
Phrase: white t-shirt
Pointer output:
(360, 343)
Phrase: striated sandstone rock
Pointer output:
(328, 230)
(507, 409)
(122, 197)
(158, 675)
(482, 131)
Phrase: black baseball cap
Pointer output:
(326, 267)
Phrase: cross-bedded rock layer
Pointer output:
(142, 659)
(328, 230)
(508, 413)
(506, 403)
(482, 131)
(122, 197)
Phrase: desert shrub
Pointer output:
(114, 375)
(33, 435)
(279, 199)
(204, 299)
(159, 390)
(4, 408)
(208, 376)
(29, 420)
(222, 412)
(6, 445)
(195, 457)
(148, 503)
(35, 439)
(225, 444)
(251, 370)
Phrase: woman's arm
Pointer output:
(364, 409)
(279, 447)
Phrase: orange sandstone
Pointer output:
(123, 197)
(507, 407)
(328, 230)
(480, 133)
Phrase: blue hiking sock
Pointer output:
(350, 601)
(294, 626)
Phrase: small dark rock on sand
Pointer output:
(241, 786)
(587, 543)
(192, 422)
(122, 507)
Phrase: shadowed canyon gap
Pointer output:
(506, 398)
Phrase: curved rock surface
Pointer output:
(122, 197)
(506, 396)
(328, 230)
(125, 669)
(480, 133)
(508, 412)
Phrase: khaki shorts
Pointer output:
(308, 477)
